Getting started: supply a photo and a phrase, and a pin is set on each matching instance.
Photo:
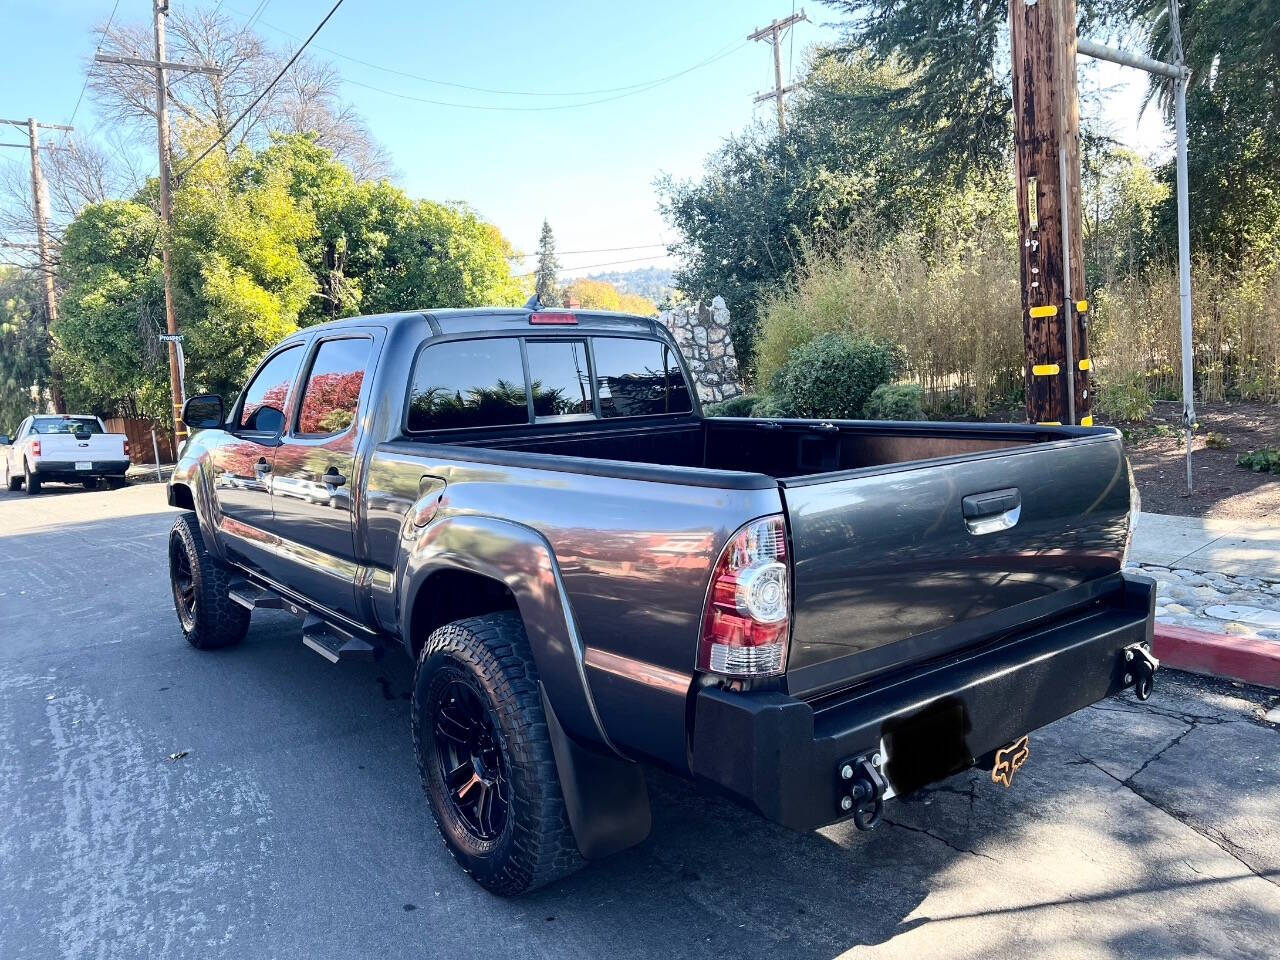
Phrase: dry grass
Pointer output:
(955, 311)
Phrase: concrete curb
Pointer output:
(1247, 659)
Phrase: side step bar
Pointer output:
(332, 643)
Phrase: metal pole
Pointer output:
(1184, 234)
(1184, 268)
(155, 448)
(1068, 305)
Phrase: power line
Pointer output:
(569, 253)
(267, 89)
(96, 50)
(495, 90)
(559, 106)
(592, 266)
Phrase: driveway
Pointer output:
(293, 824)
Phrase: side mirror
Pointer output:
(5, 440)
(203, 412)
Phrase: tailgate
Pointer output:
(900, 564)
(60, 447)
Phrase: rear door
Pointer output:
(242, 463)
(313, 474)
(900, 564)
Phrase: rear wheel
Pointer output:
(30, 480)
(485, 757)
(10, 481)
(209, 618)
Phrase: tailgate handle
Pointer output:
(991, 512)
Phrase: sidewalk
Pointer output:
(1218, 593)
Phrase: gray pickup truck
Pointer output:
(810, 617)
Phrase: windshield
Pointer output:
(49, 425)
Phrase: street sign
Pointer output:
(170, 338)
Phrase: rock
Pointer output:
(1206, 593)
(1272, 715)
(1238, 629)
(1177, 609)
(1179, 591)
(1161, 611)
(1184, 574)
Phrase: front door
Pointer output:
(242, 464)
(313, 476)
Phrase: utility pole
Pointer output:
(160, 10)
(1047, 160)
(773, 35)
(40, 198)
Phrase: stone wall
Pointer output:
(702, 334)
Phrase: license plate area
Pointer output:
(84, 465)
(927, 746)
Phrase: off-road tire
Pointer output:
(30, 481)
(536, 846)
(13, 483)
(215, 620)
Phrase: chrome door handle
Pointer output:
(991, 512)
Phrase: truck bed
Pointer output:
(910, 540)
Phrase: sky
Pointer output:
(639, 90)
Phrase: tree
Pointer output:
(263, 243)
(765, 200)
(594, 294)
(24, 346)
(307, 100)
(546, 277)
(956, 109)
(112, 312)
(1121, 195)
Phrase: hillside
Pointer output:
(652, 283)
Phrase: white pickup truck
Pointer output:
(72, 449)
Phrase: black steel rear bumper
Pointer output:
(782, 756)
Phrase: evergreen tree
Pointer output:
(546, 281)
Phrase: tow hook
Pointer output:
(1140, 669)
(862, 790)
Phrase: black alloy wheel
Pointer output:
(184, 584)
(470, 760)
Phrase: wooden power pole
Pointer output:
(160, 10)
(1047, 161)
(40, 203)
(773, 34)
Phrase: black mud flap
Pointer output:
(605, 796)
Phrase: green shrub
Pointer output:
(771, 406)
(739, 406)
(1125, 397)
(1261, 461)
(896, 401)
(834, 375)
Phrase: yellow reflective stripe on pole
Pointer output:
(1086, 421)
(1049, 311)
(1046, 369)
(1082, 306)
(1049, 423)
(1086, 364)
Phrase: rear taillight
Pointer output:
(127, 451)
(35, 448)
(747, 622)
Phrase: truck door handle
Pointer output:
(992, 511)
(332, 478)
(261, 466)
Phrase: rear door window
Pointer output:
(560, 378)
(468, 383)
(332, 392)
(637, 378)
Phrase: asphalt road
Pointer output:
(295, 825)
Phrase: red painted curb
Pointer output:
(1247, 659)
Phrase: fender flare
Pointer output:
(522, 559)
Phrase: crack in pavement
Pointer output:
(1217, 839)
(943, 840)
